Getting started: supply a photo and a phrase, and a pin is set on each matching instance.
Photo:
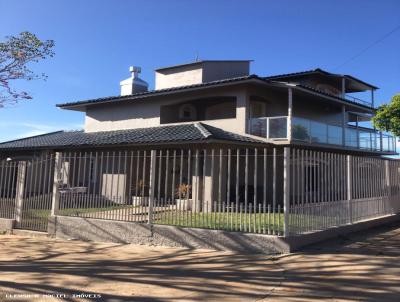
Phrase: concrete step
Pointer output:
(29, 233)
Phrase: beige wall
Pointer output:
(146, 113)
(200, 72)
(186, 75)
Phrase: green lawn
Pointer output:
(262, 223)
(80, 211)
(255, 223)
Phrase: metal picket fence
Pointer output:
(274, 190)
(227, 189)
(329, 190)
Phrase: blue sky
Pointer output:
(97, 41)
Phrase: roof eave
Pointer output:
(73, 106)
(136, 145)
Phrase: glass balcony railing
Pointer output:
(270, 127)
(313, 132)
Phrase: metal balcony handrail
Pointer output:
(358, 100)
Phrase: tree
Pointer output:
(387, 117)
(16, 53)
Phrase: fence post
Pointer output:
(349, 186)
(286, 191)
(290, 114)
(388, 185)
(55, 199)
(20, 190)
(152, 184)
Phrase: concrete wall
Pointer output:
(296, 243)
(185, 75)
(200, 72)
(159, 235)
(146, 113)
(6, 225)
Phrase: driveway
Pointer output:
(363, 268)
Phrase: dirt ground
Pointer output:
(364, 267)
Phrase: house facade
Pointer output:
(210, 138)
(311, 108)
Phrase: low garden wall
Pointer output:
(162, 235)
(6, 225)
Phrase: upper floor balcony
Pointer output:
(365, 102)
(302, 130)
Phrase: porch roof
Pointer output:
(194, 132)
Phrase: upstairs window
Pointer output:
(213, 108)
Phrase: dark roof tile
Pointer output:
(195, 132)
(141, 95)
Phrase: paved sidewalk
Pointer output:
(362, 267)
(365, 268)
(131, 273)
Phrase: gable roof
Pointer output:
(318, 71)
(195, 132)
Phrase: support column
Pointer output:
(358, 133)
(372, 98)
(343, 88)
(242, 112)
(55, 202)
(343, 125)
(349, 187)
(286, 191)
(290, 114)
(152, 184)
(20, 190)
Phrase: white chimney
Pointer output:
(133, 84)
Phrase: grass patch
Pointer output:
(80, 211)
(255, 223)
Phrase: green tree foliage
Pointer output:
(387, 117)
(16, 53)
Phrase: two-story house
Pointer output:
(311, 108)
(219, 132)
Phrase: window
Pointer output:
(187, 112)
(204, 109)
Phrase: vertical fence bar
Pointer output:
(349, 186)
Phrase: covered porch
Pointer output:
(295, 115)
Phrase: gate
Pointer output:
(26, 192)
